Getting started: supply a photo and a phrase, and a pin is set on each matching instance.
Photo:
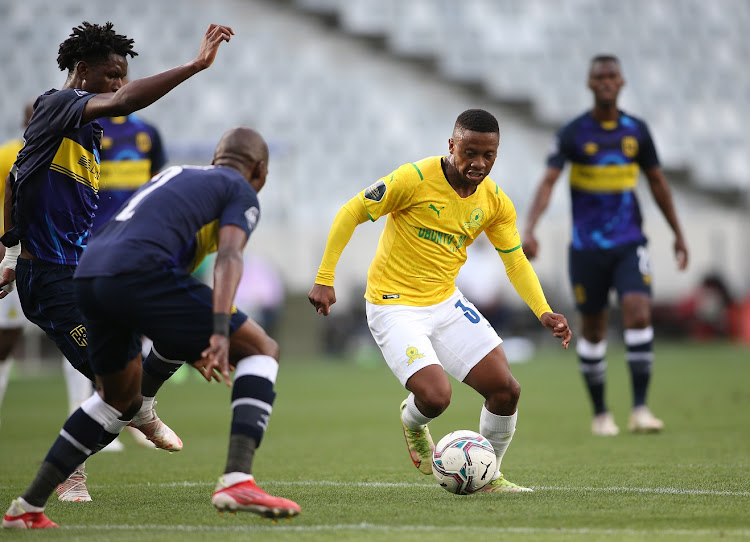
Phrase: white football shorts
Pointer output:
(452, 334)
(11, 314)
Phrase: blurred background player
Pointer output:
(131, 153)
(607, 148)
(425, 327)
(12, 319)
(46, 229)
(141, 263)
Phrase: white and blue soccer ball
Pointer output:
(463, 462)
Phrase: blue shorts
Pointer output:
(47, 299)
(172, 308)
(593, 273)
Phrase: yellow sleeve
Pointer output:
(503, 234)
(351, 215)
(524, 280)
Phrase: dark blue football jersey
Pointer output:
(56, 179)
(606, 159)
(173, 221)
(131, 153)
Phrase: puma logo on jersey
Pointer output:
(432, 206)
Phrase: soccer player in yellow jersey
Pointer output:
(12, 319)
(423, 324)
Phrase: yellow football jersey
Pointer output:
(427, 230)
(8, 154)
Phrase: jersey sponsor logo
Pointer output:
(74, 161)
(391, 296)
(412, 353)
(375, 192)
(629, 146)
(79, 335)
(604, 178)
(124, 174)
(251, 215)
(475, 220)
(432, 207)
(437, 237)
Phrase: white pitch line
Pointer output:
(331, 483)
(364, 526)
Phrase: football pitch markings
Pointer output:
(372, 527)
(658, 490)
(330, 483)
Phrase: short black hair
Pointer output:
(476, 120)
(604, 58)
(92, 43)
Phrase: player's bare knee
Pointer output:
(505, 397)
(264, 346)
(433, 402)
(639, 319)
(272, 349)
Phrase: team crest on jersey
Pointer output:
(376, 191)
(251, 215)
(143, 142)
(475, 220)
(629, 146)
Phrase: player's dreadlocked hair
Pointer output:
(476, 120)
(92, 43)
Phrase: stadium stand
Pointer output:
(341, 110)
(681, 57)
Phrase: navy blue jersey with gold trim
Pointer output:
(56, 179)
(606, 159)
(131, 153)
(172, 221)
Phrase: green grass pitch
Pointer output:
(334, 445)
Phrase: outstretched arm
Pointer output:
(558, 325)
(352, 214)
(538, 205)
(227, 275)
(663, 198)
(523, 278)
(143, 92)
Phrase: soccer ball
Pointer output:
(463, 462)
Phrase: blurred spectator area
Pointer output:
(347, 90)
